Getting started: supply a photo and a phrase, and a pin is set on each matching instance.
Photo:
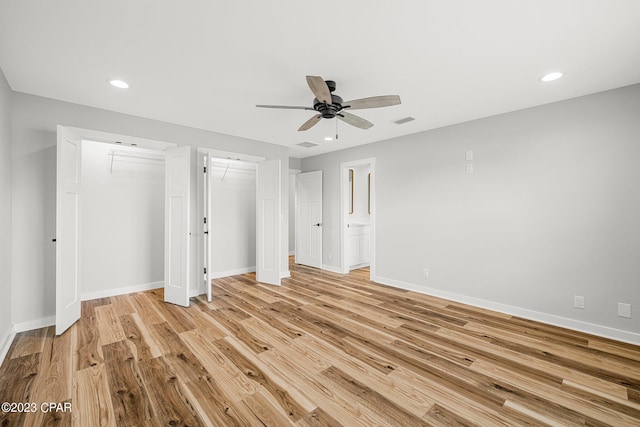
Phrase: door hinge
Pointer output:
(205, 270)
(205, 169)
(205, 219)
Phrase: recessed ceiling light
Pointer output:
(328, 138)
(119, 84)
(551, 76)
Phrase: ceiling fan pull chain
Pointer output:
(336, 128)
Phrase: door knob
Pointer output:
(318, 224)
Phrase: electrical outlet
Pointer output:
(624, 310)
(469, 168)
(425, 272)
(578, 301)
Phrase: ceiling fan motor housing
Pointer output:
(328, 111)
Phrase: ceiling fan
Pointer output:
(329, 105)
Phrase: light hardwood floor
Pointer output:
(321, 350)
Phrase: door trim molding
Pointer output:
(344, 194)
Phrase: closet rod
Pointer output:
(113, 154)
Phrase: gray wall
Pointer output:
(34, 121)
(5, 214)
(122, 220)
(551, 211)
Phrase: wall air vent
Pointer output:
(403, 120)
(307, 144)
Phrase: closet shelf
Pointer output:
(159, 158)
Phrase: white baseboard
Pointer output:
(332, 269)
(285, 274)
(291, 253)
(218, 274)
(120, 291)
(551, 319)
(6, 344)
(357, 266)
(34, 324)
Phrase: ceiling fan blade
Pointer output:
(354, 120)
(319, 88)
(288, 107)
(310, 123)
(372, 102)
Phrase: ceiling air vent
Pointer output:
(403, 121)
(307, 144)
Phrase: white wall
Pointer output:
(233, 222)
(33, 125)
(122, 220)
(5, 216)
(551, 211)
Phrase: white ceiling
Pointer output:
(205, 63)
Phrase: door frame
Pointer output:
(344, 216)
(229, 155)
(108, 138)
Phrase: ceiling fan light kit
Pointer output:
(329, 105)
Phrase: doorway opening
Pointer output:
(122, 222)
(232, 224)
(357, 208)
(239, 203)
(69, 202)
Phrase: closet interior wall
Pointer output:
(122, 219)
(233, 223)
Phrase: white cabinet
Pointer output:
(358, 245)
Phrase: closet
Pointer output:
(122, 219)
(232, 225)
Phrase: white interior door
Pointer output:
(268, 222)
(309, 219)
(177, 225)
(68, 253)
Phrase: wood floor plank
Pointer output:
(537, 368)
(345, 411)
(289, 400)
(263, 408)
(319, 418)
(142, 303)
(89, 349)
(387, 412)
(169, 403)
(92, 398)
(237, 386)
(110, 328)
(322, 349)
(402, 394)
(17, 378)
(129, 397)
(571, 401)
(54, 382)
(29, 342)
(592, 360)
